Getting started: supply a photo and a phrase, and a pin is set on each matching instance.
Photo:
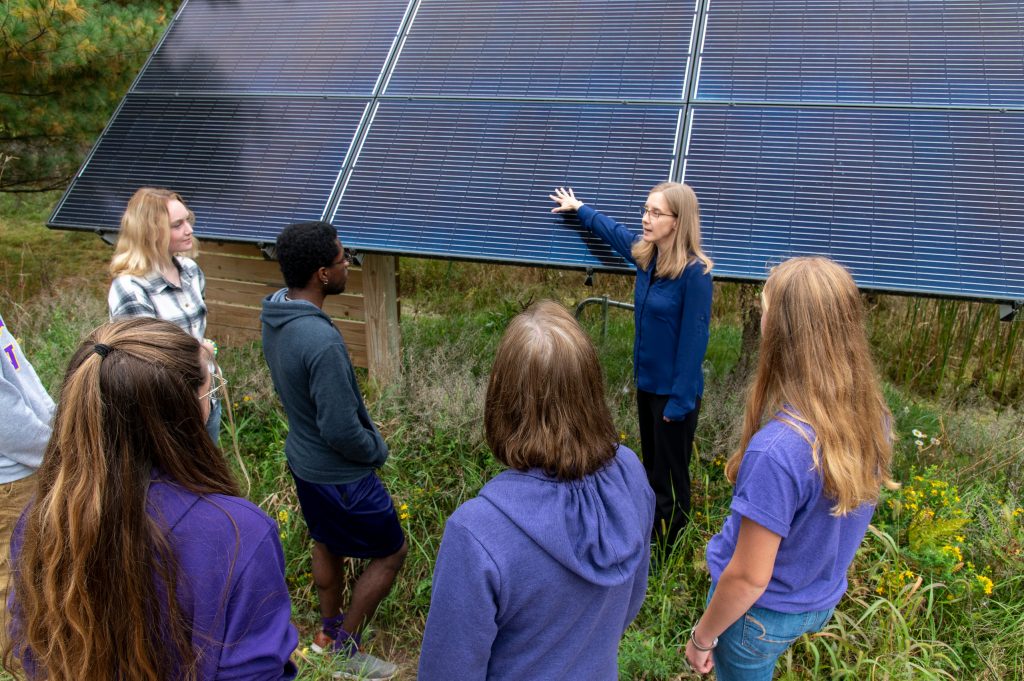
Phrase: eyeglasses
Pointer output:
(654, 213)
(217, 383)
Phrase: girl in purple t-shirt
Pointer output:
(137, 559)
(806, 481)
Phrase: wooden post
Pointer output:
(380, 293)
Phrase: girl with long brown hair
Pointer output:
(136, 560)
(814, 453)
(672, 305)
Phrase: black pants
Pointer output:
(666, 447)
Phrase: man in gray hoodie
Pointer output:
(333, 447)
(24, 434)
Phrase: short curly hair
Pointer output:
(305, 247)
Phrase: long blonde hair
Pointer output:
(145, 234)
(815, 367)
(685, 247)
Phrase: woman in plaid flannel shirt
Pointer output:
(154, 273)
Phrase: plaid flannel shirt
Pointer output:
(154, 296)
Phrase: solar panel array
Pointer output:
(887, 134)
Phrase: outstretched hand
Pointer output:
(565, 199)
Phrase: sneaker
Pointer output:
(363, 667)
(322, 643)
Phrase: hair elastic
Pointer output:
(101, 349)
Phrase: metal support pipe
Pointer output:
(605, 303)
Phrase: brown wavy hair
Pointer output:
(545, 400)
(685, 247)
(95, 582)
(815, 368)
(145, 233)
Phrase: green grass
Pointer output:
(936, 623)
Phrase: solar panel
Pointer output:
(245, 165)
(471, 179)
(542, 49)
(270, 46)
(909, 200)
(885, 134)
(937, 52)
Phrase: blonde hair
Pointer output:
(814, 366)
(685, 247)
(545, 403)
(146, 234)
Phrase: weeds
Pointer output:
(935, 617)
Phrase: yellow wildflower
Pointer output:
(986, 584)
(282, 516)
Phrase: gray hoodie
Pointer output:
(27, 412)
(331, 437)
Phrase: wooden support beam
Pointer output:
(238, 277)
(383, 338)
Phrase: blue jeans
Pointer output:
(749, 648)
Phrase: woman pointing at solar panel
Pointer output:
(673, 311)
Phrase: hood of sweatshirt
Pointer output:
(277, 311)
(596, 527)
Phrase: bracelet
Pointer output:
(693, 640)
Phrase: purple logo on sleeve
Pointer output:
(14, 358)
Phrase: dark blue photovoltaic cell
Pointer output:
(888, 134)
(246, 166)
(925, 201)
(471, 179)
(943, 52)
(595, 49)
(276, 46)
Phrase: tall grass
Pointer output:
(941, 621)
(957, 349)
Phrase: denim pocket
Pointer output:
(767, 633)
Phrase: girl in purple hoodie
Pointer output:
(137, 560)
(539, 575)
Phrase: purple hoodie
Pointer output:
(538, 578)
(232, 586)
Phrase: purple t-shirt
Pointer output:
(779, 489)
(232, 588)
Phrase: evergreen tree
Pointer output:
(64, 66)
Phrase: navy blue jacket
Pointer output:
(672, 320)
